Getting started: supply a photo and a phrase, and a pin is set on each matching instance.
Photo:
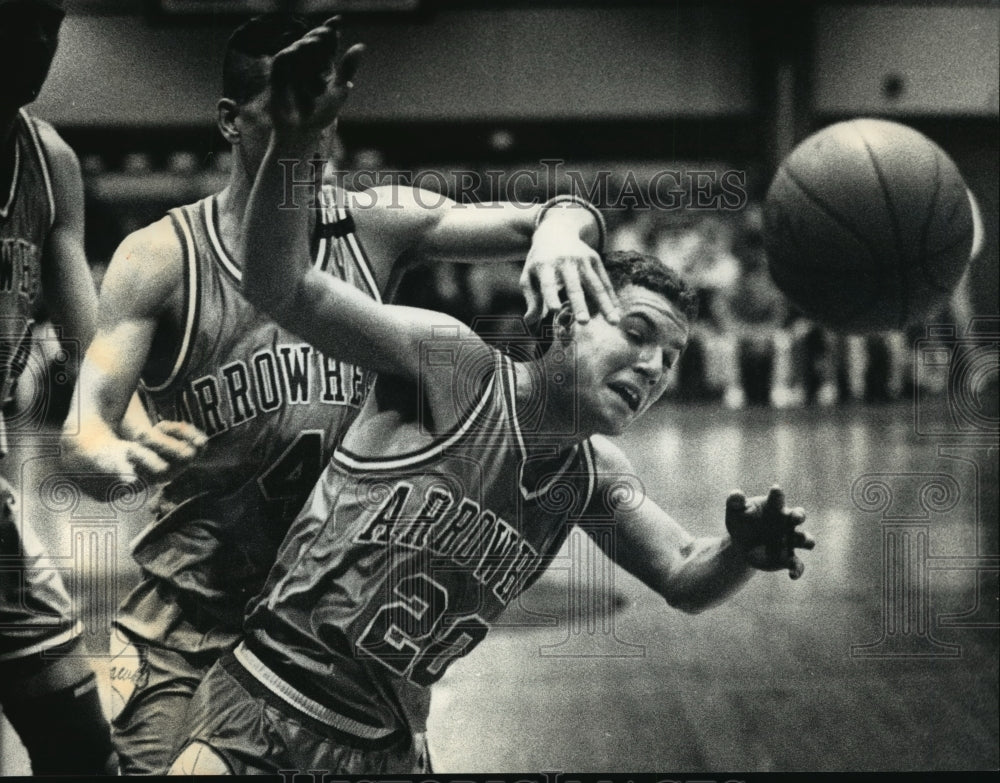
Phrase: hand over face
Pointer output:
(764, 529)
(565, 262)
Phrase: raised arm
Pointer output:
(335, 317)
(558, 242)
(277, 278)
(694, 573)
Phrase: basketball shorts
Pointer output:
(238, 726)
(161, 650)
(36, 613)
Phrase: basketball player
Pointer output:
(263, 407)
(47, 686)
(447, 497)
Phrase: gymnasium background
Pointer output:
(884, 656)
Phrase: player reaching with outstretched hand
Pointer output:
(448, 496)
(247, 412)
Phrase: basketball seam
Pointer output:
(925, 256)
(954, 207)
(779, 272)
(946, 248)
(829, 212)
(896, 234)
(922, 247)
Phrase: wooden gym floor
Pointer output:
(883, 657)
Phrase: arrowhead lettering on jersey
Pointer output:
(288, 374)
(460, 530)
(20, 268)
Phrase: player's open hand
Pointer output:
(765, 531)
(565, 262)
(308, 83)
(159, 453)
(101, 461)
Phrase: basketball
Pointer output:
(867, 226)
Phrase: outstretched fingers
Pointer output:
(775, 499)
(173, 443)
(597, 282)
(801, 540)
(796, 567)
(574, 291)
(548, 285)
(348, 65)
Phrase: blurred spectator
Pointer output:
(698, 247)
(752, 314)
(631, 229)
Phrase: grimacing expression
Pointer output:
(29, 37)
(622, 369)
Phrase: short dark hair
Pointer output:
(625, 267)
(245, 65)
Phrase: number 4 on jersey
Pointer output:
(294, 474)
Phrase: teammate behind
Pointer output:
(270, 407)
(47, 687)
(447, 498)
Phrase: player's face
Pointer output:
(254, 123)
(622, 369)
(29, 36)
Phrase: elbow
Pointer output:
(686, 603)
(257, 287)
(688, 599)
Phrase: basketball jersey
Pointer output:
(36, 612)
(398, 564)
(27, 212)
(271, 405)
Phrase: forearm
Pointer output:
(572, 216)
(275, 237)
(88, 437)
(106, 410)
(705, 573)
(501, 231)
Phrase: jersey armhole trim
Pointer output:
(12, 194)
(43, 161)
(358, 253)
(191, 302)
(412, 459)
(589, 460)
(510, 387)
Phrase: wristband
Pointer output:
(602, 228)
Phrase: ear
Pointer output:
(562, 322)
(228, 111)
